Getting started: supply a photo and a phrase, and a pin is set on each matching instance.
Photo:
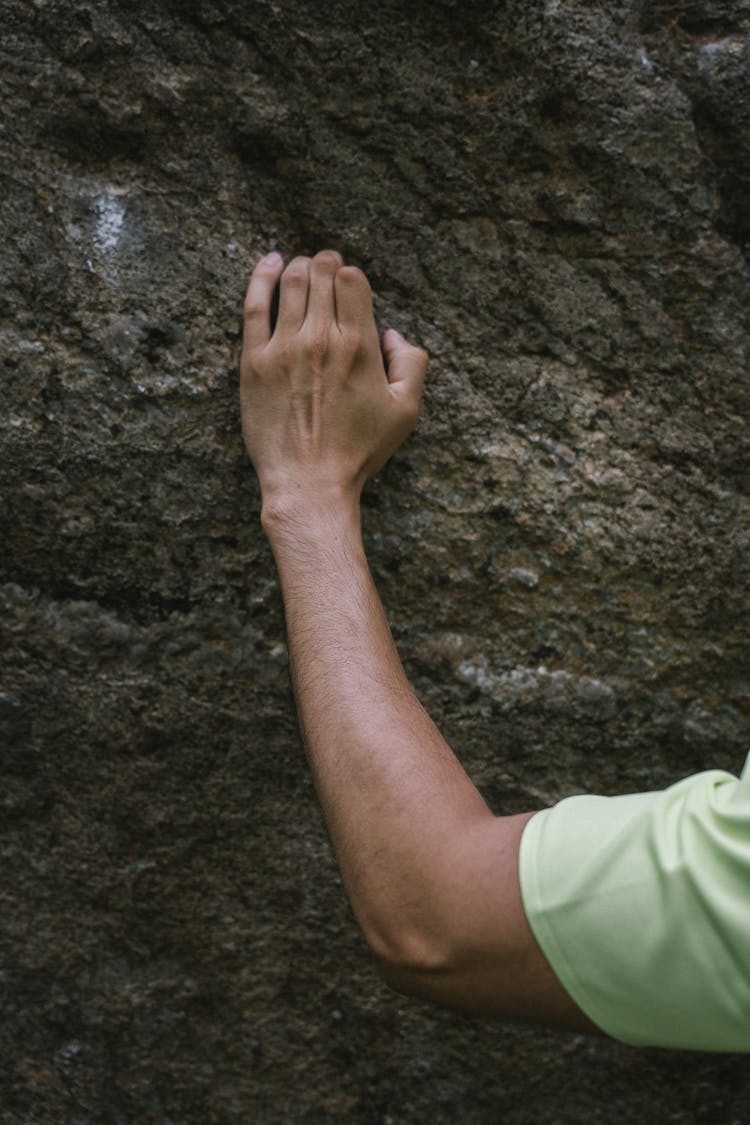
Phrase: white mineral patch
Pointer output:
(559, 689)
(476, 675)
(712, 55)
(719, 47)
(525, 577)
(110, 215)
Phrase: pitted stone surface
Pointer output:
(553, 199)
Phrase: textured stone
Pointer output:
(553, 198)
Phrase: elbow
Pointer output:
(407, 980)
(410, 961)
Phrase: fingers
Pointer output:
(321, 304)
(406, 367)
(319, 290)
(295, 285)
(353, 299)
(257, 310)
(306, 292)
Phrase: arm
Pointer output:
(431, 874)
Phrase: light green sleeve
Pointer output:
(641, 905)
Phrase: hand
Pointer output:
(320, 414)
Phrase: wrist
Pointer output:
(308, 511)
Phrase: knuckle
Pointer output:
(252, 364)
(329, 256)
(297, 270)
(352, 275)
(286, 353)
(254, 309)
(353, 340)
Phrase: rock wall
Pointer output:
(554, 199)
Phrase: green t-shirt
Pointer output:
(641, 905)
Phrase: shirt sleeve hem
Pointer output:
(544, 934)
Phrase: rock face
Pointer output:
(554, 199)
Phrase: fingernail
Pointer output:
(273, 258)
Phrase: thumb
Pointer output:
(406, 364)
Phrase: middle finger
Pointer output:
(293, 296)
(321, 304)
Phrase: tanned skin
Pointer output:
(431, 873)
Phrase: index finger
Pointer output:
(257, 310)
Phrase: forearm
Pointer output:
(431, 874)
(393, 794)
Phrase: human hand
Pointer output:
(320, 413)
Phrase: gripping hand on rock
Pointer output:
(320, 411)
(431, 873)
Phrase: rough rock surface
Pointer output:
(554, 199)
